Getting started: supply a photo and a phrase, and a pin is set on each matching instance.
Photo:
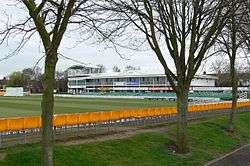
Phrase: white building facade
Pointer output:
(88, 79)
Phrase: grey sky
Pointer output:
(85, 52)
(93, 54)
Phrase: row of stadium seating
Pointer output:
(23, 123)
(221, 95)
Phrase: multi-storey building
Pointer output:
(89, 79)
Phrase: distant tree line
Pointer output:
(221, 69)
(31, 80)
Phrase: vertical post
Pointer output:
(0, 139)
(25, 140)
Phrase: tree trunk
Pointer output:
(233, 75)
(234, 96)
(48, 110)
(182, 106)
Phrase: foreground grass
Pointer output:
(207, 139)
(30, 105)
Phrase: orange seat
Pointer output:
(32, 122)
(72, 119)
(116, 115)
(84, 118)
(4, 125)
(59, 120)
(15, 124)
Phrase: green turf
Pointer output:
(30, 105)
(207, 139)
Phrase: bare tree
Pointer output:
(183, 30)
(230, 41)
(102, 68)
(61, 81)
(245, 25)
(116, 69)
(16, 79)
(130, 68)
(50, 19)
(221, 68)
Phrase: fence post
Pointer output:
(25, 139)
(0, 139)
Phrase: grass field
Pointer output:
(30, 105)
(207, 139)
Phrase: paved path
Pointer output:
(239, 157)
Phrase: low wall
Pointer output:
(23, 123)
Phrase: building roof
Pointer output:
(79, 67)
(136, 73)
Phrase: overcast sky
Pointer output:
(85, 52)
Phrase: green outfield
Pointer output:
(31, 105)
(207, 138)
